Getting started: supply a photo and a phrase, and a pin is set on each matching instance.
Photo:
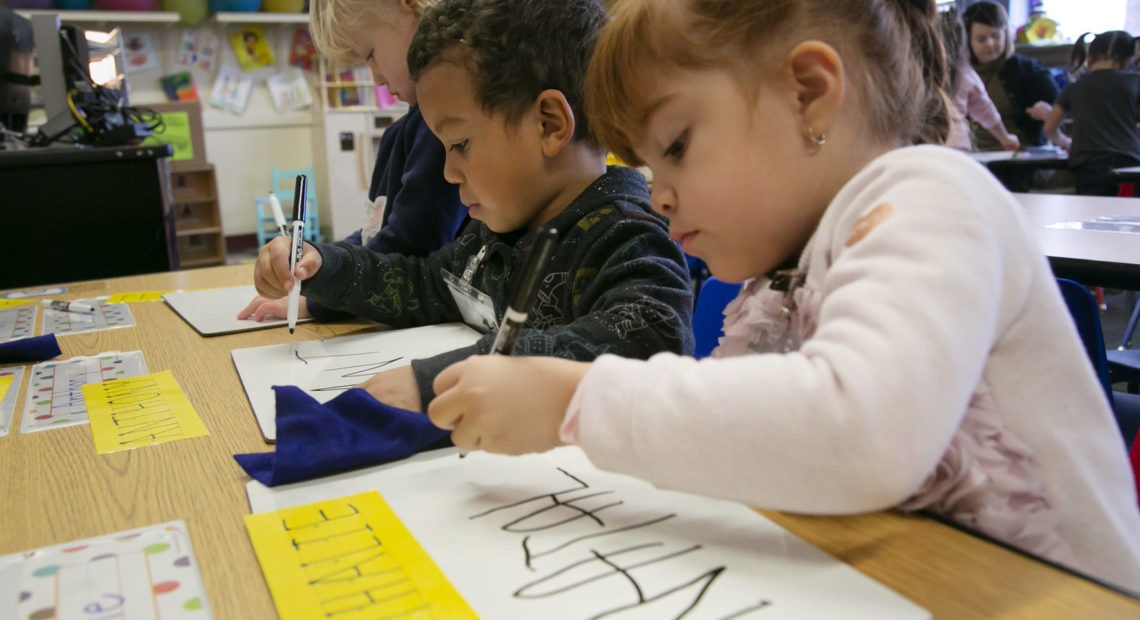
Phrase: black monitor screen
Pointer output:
(16, 62)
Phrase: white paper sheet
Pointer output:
(213, 311)
(551, 536)
(325, 368)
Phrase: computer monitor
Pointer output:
(16, 62)
(83, 85)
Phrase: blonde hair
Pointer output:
(891, 49)
(333, 21)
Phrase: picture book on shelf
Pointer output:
(179, 86)
(231, 90)
(289, 90)
(302, 53)
(251, 48)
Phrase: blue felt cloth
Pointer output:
(350, 431)
(23, 350)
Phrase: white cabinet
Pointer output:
(346, 137)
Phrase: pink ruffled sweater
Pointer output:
(971, 101)
(931, 365)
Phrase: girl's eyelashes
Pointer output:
(677, 148)
(458, 147)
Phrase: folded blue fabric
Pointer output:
(23, 350)
(350, 431)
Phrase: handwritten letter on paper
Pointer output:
(349, 558)
(140, 411)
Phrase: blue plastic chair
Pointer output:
(708, 314)
(284, 184)
(1083, 308)
(1124, 361)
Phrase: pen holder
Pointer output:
(283, 6)
(190, 12)
(238, 6)
(29, 4)
(126, 5)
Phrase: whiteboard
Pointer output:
(325, 368)
(551, 536)
(213, 311)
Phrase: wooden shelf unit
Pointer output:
(197, 218)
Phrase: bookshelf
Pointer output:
(197, 219)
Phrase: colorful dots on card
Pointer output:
(156, 548)
(46, 571)
(163, 587)
(182, 561)
(74, 549)
(194, 604)
(46, 613)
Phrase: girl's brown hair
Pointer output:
(891, 48)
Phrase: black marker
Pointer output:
(524, 292)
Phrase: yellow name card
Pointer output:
(140, 411)
(349, 558)
(5, 383)
(9, 303)
(130, 298)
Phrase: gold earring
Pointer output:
(819, 140)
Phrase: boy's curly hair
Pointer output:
(514, 50)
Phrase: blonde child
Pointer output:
(422, 212)
(1103, 104)
(520, 149)
(900, 341)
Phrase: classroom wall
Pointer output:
(243, 148)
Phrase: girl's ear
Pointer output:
(556, 121)
(817, 74)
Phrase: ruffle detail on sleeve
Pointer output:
(988, 481)
(755, 322)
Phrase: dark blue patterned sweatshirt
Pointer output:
(615, 284)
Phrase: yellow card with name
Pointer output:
(349, 558)
(5, 383)
(140, 411)
(8, 303)
(130, 298)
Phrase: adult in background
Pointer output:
(1022, 88)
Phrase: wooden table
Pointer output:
(56, 489)
(1093, 257)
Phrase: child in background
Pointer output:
(966, 91)
(900, 340)
(520, 149)
(422, 212)
(1103, 106)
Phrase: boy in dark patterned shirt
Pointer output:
(519, 148)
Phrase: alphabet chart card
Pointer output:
(140, 411)
(146, 573)
(349, 557)
(18, 321)
(106, 316)
(550, 536)
(9, 391)
(55, 389)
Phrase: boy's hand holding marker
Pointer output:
(271, 272)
